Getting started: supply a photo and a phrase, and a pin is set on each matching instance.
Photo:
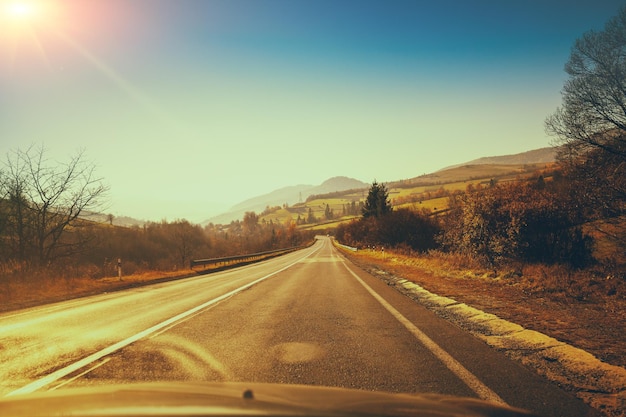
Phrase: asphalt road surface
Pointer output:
(309, 317)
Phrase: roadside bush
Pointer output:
(519, 222)
(416, 230)
(398, 228)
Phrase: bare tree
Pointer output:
(590, 125)
(15, 208)
(187, 239)
(47, 199)
(593, 112)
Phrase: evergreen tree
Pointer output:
(377, 202)
(311, 217)
(328, 213)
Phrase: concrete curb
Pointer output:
(601, 385)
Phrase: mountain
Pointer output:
(338, 184)
(536, 156)
(490, 166)
(286, 195)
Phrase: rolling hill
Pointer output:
(287, 195)
(454, 176)
(536, 156)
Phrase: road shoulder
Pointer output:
(599, 384)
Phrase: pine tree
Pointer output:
(377, 202)
(311, 217)
(328, 213)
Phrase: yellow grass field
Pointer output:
(424, 192)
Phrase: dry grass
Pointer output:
(554, 281)
(20, 290)
(21, 287)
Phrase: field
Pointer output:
(425, 192)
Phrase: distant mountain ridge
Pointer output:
(536, 156)
(286, 195)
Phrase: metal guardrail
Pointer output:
(350, 248)
(229, 260)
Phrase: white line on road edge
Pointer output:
(60, 373)
(85, 372)
(483, 391)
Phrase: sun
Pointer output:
(21, 11)
(25, 27)
(27, 15)
(19, 18)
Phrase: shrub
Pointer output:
(398, 228)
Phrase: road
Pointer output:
(309, 317)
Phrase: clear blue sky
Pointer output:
(188, 107)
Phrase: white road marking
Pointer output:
(60, 373)
(483, 391)
(74, 378)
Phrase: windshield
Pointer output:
(385, 196)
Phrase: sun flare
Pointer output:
(20, 10)
(16, 11)
(20, 17)
(25, 26)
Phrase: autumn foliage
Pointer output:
(522, 221)
(400, 228)
(535, 221)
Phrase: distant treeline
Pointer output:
(335, 194)
(154, 246)
(172, 245)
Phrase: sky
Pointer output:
(188, 107)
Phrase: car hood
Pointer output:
(240, 399)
